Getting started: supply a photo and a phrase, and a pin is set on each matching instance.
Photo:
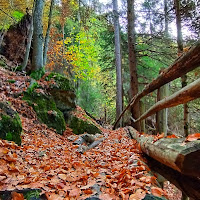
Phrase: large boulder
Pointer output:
(80, 126)
(10, 123)
(62, 93)
(46, 110)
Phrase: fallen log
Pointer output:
(182, 156)
(184, 64)
(190, 186)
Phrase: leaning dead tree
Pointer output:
(184, 64)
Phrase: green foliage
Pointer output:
(11, 81)
(32, 86)
(37, 74)
(32, 194)
(17, 15)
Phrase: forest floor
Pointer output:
(115, 169)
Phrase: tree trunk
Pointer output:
(119, 105)
(162, 116)
(142, 110)
(177, 154)
(46, 42)
(132, 60)
(37, 58)
(3, 32)
(29, 40)
(180, 51)
(166, 19)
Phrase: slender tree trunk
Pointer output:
(166, 18)
(37, 59)
(3, 32)
(180, 51)
(132, 60)
(119, 103)
(46, 42)
(63, 53)
(29, 40)
(142, 110)
(162, 116)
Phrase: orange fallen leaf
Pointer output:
(52, 196)
(75, 192)
(162, 135)
(62, 176)
(171, 136)
(88, 191)
(17, 196)
(193, 137)
(157, 191)
(138, 195)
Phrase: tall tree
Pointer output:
(37, 58)
(28, 45)
(132, 59)
(119, 101)
(46, 41)
(166, 18)
(180, 51)
(184, 77)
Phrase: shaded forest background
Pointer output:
(82, 48)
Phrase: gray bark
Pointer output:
(37, 59)
(142, 110)
(166, 19)
(162, 116)
(132, 60)
(28, 46)
(180, 51)
(46, 42)
(119, 105)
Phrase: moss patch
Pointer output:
(37, 74)
(79, 126)
(10, 124)
(62, 82)
(46, 110)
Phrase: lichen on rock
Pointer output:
(10, 123)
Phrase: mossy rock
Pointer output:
(10, 124)
(62, 82)
(46, 110)
(79, 126)
(62, 93)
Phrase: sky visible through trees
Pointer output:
(123, 23)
